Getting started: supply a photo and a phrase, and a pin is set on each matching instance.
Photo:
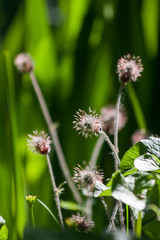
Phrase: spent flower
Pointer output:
(86, 178)
(82, 223)
(39, 142)
(87, 124)
(108, 119)
(24, 63)
(129, 68)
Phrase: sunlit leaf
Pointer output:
(121, 191)
(150, 146)
(146, 163)
(3, 233)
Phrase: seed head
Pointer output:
(129, 68)
(87, 124)
(24, 63)
(39, 142)
(86, 178)
(82, 223)
(139, 135)
(30, 200)
(108, 119)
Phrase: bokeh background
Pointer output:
(75, 45)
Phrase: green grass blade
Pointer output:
(17, 185)
(137, 108)
(44, 205)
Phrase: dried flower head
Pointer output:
(82, 223)
(24, 63)
(86, 178)
(139, 135)
(87, 124)
(129, 68)
(39, 142)
(30, 200)
(108, 116)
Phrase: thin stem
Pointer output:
(55, 192)
(55, 138)
(111, 146)
(121, 216)
(139, 225)
(32, 215)
(89, 203)
(108, 213)
(116, 121)
(127, 218)
(113, 216)
(44, 205)
(96, 151)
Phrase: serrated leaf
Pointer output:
(122, 192)
(145, 146)
(4, 233)
(146, 163)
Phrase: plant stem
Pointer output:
(139, 225)
(116, 121)
(32, 215)
(108, 213)
(113, 216)
(112, 147)
(55, 192)
(121, 216)
(44, 205)
(55, 138)
(127, 218)
(96, 151)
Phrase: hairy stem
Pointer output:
(113, 216)
(116, 120)
(121, 216)
(108, 213)
(55, 138)
(111, 146)
(55, 192)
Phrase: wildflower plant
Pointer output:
(135, 181)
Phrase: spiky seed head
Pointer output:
(129, 68)
(31, 200)
(108, 119)
(87, 124)
(86, 178)
(39, 142)
(82, 223)
(24, 63)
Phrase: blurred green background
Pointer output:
(75, 45)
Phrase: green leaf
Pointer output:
(69, 205)
(121, 191)
(99, 188)
(150, 145)
(4, 233)
(146, 163)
